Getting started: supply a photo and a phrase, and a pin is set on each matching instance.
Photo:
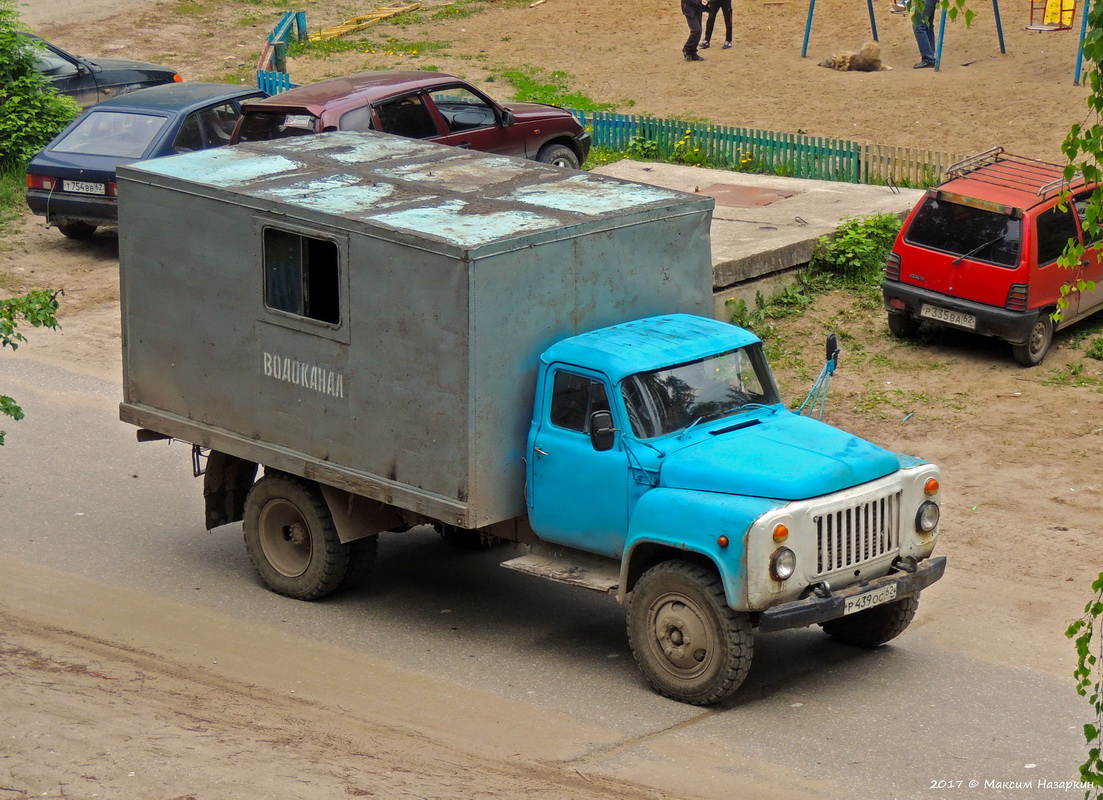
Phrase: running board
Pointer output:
(572, 567)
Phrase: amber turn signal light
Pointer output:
(931, 486)
(781, 533)
(722, 541)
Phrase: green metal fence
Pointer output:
(753, 150)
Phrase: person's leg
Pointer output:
(689, 50)
(711, 9)
(726, 7)
(923, 24)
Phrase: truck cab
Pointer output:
(663, 443)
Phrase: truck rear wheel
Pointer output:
(690, 645)
(292, 541)
(875, 626)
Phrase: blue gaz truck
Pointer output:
(358, 333)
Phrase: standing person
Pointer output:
(693, 10)
(923, 25)
(715, 6)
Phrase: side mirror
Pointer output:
(602, 432)
(507, 118)
(832, 351)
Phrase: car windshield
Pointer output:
(112, 133)
(261, 126)
(674, 398)
(965, 231)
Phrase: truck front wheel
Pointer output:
(292, 541)
(875, 626)
(690, 645)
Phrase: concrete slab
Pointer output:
(765, 227)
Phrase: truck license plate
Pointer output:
(946, 315)
(860, 602)
(84, 187)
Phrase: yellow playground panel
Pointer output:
(1051, 15)
(362, 21)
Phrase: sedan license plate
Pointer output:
(860, 602)
(84, 187)
(941, 314)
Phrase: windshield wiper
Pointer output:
(974, 251)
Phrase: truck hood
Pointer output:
(784, 457)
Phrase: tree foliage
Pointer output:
(1087, 633)
(1083, 147)
(31, 112)
(37, 309)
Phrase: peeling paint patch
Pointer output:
(222, 166)
(449, 222)
(366, 151)
(337, 194)
(586, 194)
(461, 174)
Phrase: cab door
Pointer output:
(577, 496)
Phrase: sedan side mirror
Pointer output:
(602, 432)
(507, 118)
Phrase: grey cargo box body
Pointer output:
(455, 270)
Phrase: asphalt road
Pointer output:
(79, 494)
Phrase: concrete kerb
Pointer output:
(765, 227)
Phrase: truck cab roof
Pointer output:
(622, 350)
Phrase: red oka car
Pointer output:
(421, 105)
(979, 253)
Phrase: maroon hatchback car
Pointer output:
(420, 105)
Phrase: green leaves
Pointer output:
(39, 310)
(855, 254)
(1089, 678)
(31, 112)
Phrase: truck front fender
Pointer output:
(673, 523)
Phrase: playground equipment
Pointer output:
(941, 27)
(1051, 15)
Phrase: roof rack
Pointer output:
(1021, 173)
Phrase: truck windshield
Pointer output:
(674, 398)
(966, 231)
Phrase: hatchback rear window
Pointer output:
(112, 133)
(262, 126)
(962, 230)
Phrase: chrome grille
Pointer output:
(860, 533)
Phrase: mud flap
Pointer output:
(226, 482)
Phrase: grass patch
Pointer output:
(390, 47)
(13, 184)
(1073, 375)
(536, 85)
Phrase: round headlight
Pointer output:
(783, 563)
(926, 519)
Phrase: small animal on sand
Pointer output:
(868, 59)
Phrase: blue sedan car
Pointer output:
(72, 181)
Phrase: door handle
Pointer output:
(538, 450)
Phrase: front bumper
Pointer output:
(68, 207)
(582, 145)
(814, 609)
(1011, 326)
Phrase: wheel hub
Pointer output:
(681, 634)
(285, 538)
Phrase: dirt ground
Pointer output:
(1019, 448)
